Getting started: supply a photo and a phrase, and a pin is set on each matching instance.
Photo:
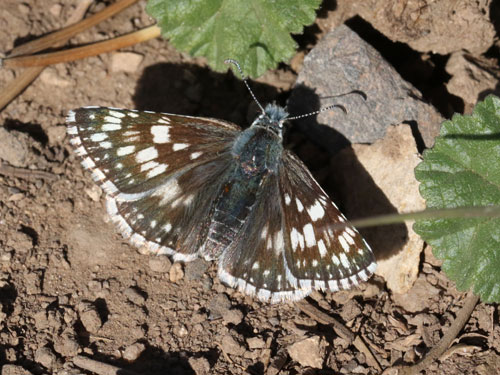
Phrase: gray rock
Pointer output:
(342, 62)
(219, 305)
(194, 270)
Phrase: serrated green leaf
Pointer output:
(255, 32)
(463, 169)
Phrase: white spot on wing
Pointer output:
(110, 127)
(117, 114)
(321, 248)
(316, 211)
(168, 191)
(147, 166)
(157, 170)
(179, 146)
(300, 206)
(309, 235)
(112, 119)
(98, 137)
(344, 244)
(160, 133)
(287, 199)
(195, 155)
(126, 150)
(345, 262)
(147, 154)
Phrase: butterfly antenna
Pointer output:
(237, 64)
(360, 93)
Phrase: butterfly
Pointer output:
(193, 187)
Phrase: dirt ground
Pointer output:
(71, 286)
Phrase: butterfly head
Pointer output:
(272, 119)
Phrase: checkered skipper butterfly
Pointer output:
(200, 187)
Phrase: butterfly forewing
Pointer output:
(135, 151)
(161, 172)
(318, 256)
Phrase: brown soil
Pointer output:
(70, 285)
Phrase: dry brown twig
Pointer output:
(26, 174)
(99, 368)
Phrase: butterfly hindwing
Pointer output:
(318, 256)
(256, 264)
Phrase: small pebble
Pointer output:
(66, 345)
(160, 263)
(231, 346)
(218, 306)
(132, 352)
(200, 366)
(135, 295)
(308, 352)
(255, 343)
(232, 316)
(45, 357)
(195, 270)
(125, 61)
(176, 273)
(14, 370)
(180, 330)
(91, 319)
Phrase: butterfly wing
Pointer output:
(256, 264)
(160, 171)
(318, 256)
(288, 247)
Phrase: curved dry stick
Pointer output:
(85, 51)
(455, 328)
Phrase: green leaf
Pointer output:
(463, 169)
(256, 33)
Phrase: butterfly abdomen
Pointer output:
(254, 159)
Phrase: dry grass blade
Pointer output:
(62, 36)
(85, 51)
